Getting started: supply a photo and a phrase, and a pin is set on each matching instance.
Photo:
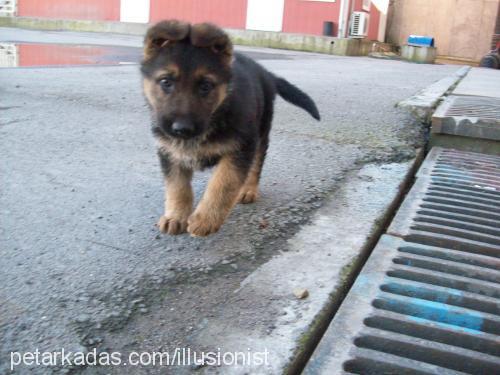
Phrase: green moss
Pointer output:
(346, 271)
(311, 336)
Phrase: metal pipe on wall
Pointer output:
(343, 18)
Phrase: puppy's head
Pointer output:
(186, 72)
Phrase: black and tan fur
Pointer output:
(211, 108)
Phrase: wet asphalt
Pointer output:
(82, 264)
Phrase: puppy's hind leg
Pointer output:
(249, 192)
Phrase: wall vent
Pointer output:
(359, 24)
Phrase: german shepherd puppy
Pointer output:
(211, 108)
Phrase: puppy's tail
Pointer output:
(297, 97)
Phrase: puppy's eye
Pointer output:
(167, 85)
(205, 87)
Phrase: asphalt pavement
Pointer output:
(82, 264)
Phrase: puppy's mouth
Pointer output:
(179, 136)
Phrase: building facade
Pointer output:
(290, 16)
(462, 29)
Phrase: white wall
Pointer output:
(383, 7)
(134, 11)
(265, 15)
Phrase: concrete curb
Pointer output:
(301, 42)
(296, 42)
(323, 258)
(349, 272)
(423, 104)
(74, 25)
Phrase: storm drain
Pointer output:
(468, 116)
(487, 108)
(428, 299)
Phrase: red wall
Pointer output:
(307, 17)
(358, 5)
(374, 23)
(71, 9)
(300, 16)
(225, 13)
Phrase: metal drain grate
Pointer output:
(428, 299)
(468, 116)
(454, 202)
(463, 106)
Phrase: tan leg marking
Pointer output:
(178, 201)
(249, 192)
(218, 200)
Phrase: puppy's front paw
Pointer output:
(248, 195)
(200, 224)
(171, 225)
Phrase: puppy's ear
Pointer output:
(213, 37)
(162, 34)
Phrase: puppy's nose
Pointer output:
(183, 128)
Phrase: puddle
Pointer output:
(14, 55)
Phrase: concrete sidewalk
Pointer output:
(83, 266)
(480, 82)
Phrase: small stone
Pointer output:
(82, 318)
(263, 224)
(301, 293)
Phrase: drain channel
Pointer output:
(428, 299)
